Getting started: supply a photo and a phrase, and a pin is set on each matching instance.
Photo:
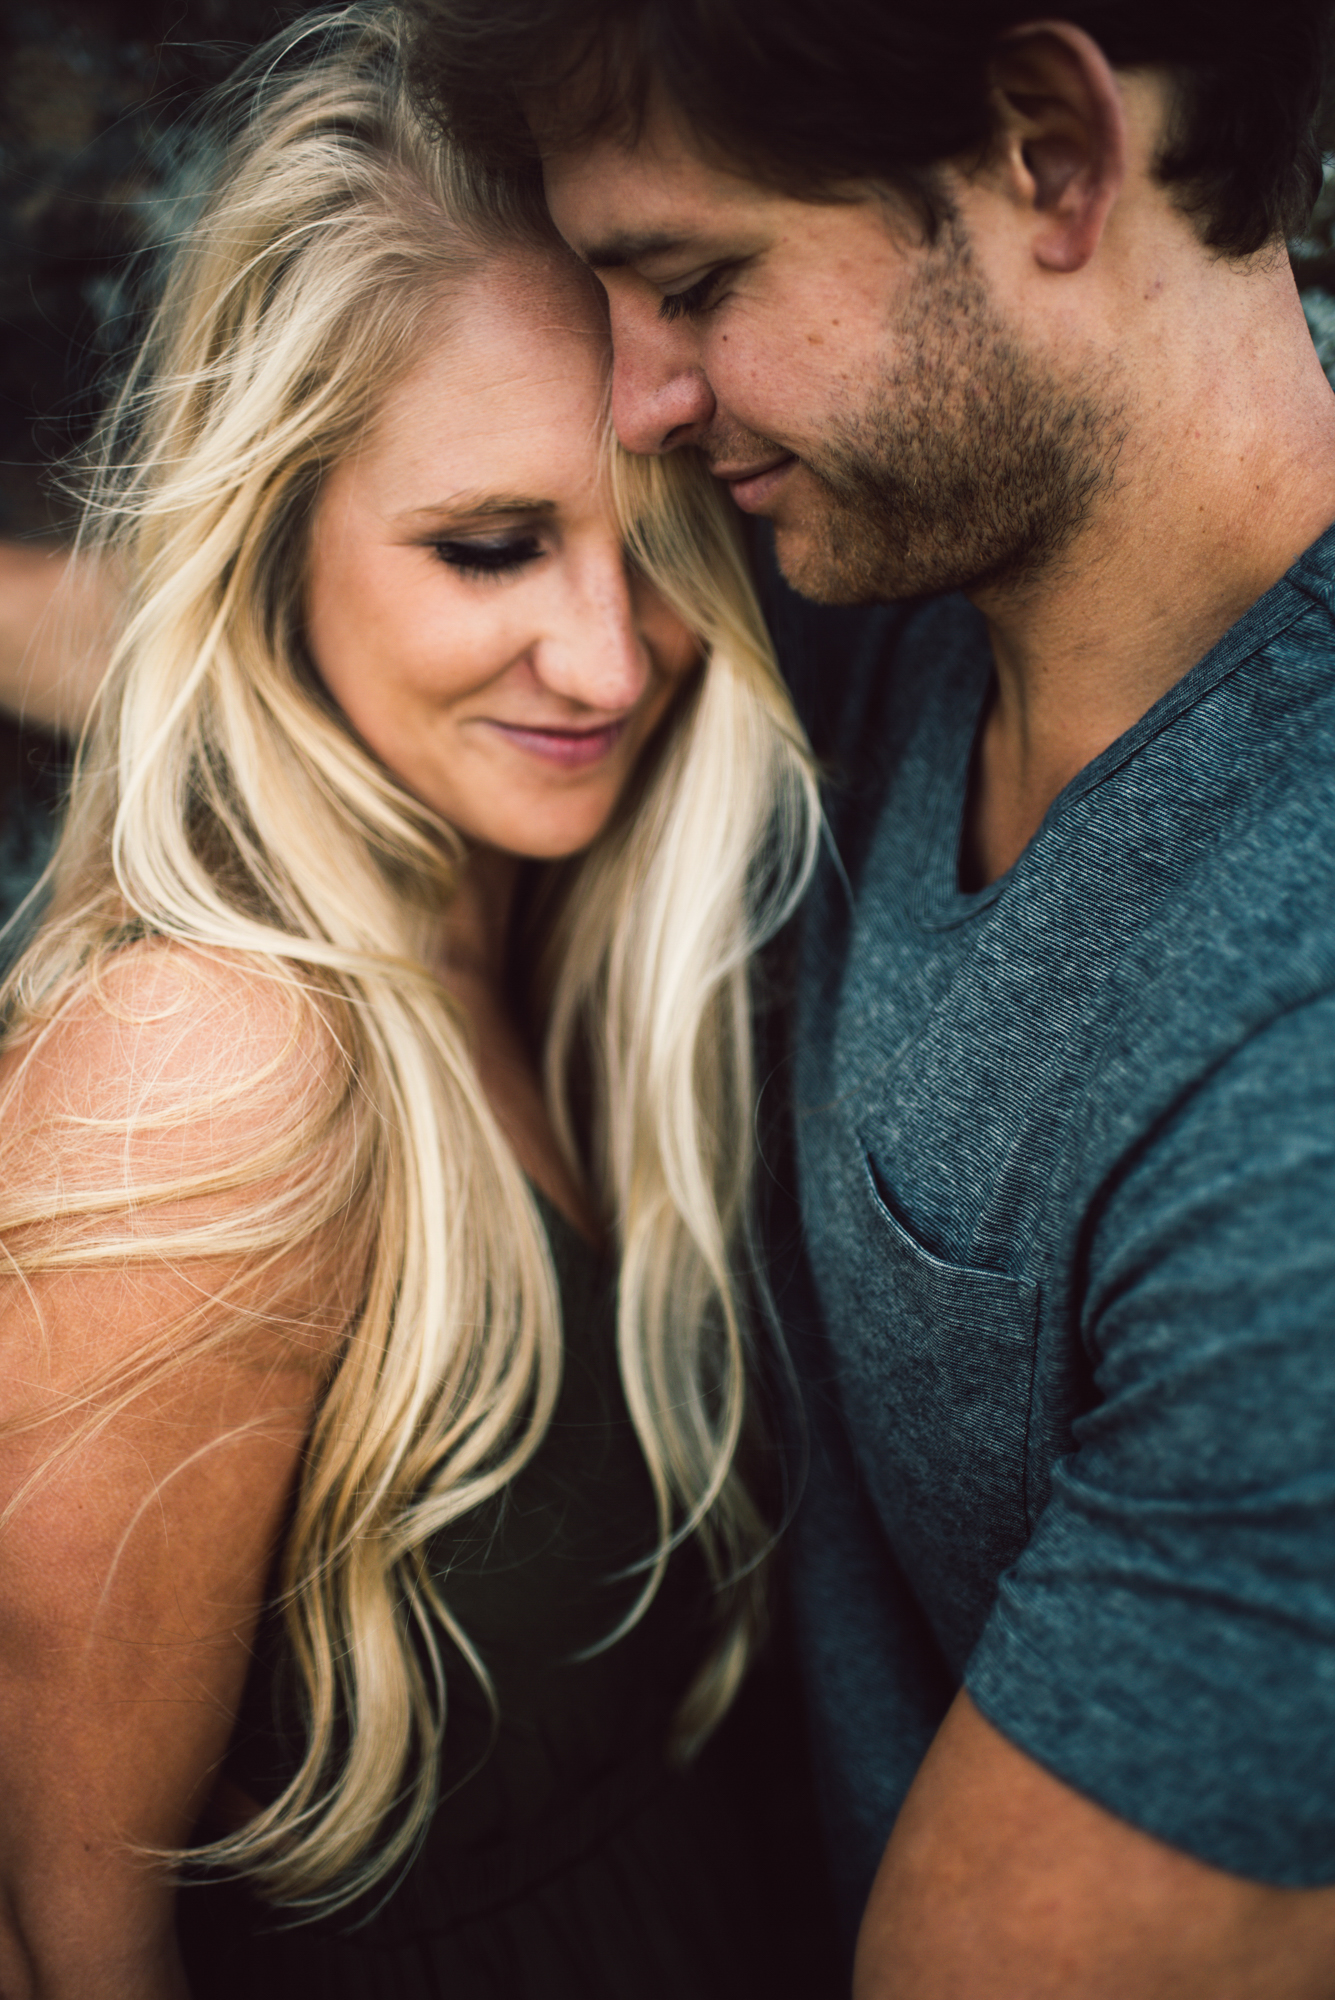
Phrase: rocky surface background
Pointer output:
(89, 92)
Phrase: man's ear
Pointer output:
(1060, 136)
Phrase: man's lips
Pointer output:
(569, 749)
(752, 485)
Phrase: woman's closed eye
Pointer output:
(488, 556)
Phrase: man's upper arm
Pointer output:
(1001, 1880)
(1157, 1678)
(1166, 1643)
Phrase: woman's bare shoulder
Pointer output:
(160, 1037)
(191, 1121)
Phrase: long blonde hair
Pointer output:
(221, 803)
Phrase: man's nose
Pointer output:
(661, 396)
(594, 651)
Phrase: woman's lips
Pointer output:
(751, 490)
(569, 749)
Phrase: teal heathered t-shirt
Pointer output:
(1065, 1159)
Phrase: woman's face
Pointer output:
(468, 603)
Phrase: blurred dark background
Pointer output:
(89, 93)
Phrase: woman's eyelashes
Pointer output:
(489, 556)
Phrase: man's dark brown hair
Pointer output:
(807, 94)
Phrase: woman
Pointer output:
(380, 1542)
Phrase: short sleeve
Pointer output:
(1166, 1642)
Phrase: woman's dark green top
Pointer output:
(568, 1858)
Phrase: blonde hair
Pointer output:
(220, 803)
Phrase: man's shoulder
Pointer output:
(1229, 789)
(1314, 572)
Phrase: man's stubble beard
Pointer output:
(972, 465)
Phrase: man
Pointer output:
(965, 302)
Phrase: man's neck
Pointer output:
(1228, 474)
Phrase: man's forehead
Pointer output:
(609, 247)
(629, 198)
(612, 219)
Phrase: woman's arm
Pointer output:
(132, 1573)
(56, 611)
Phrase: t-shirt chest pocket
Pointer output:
(937, 1364)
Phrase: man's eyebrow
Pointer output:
(478, 507)
(618, 250)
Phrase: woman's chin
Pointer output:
(543, 841)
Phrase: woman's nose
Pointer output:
(594, 651)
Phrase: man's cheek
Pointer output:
(777, 390)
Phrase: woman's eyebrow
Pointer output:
(478, 507)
